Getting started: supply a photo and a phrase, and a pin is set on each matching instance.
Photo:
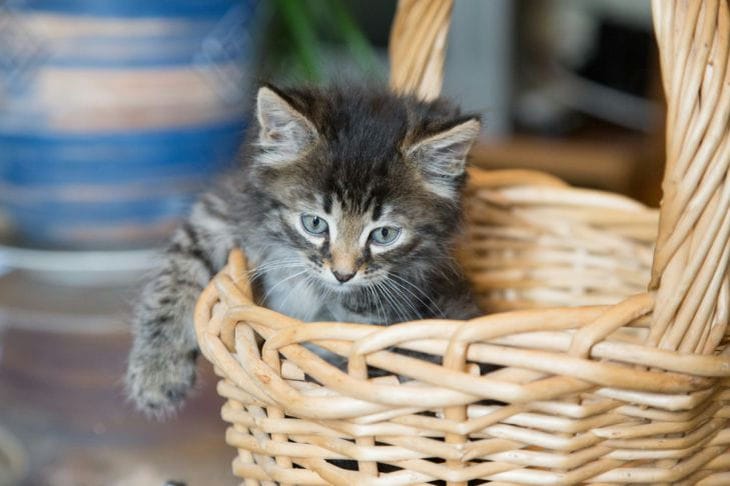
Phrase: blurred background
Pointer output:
(114, 114)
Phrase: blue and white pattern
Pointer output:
(114, 113)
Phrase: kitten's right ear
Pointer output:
(284, 132)
(442, 157)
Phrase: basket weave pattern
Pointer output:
(627, 387)
(533, 241)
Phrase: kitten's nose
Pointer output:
(343, 277)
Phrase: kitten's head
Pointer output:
(366, 184)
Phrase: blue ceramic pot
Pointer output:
(115, 113)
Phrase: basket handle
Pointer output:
(417, 46)
(690, 269)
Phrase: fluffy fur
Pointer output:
(355, 160)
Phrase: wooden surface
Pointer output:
(62, 396)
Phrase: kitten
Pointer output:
(347, 204)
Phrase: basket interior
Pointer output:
(533, 241)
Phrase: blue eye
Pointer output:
(314, 224)
(385, 235)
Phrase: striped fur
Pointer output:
(360, 159)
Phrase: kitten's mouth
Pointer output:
(339, 282)
(341, 287)
(350, 283)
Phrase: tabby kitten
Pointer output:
(347, 204)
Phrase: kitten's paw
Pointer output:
(158, 384)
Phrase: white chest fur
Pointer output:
(293, 296)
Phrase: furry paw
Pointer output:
(158, 384)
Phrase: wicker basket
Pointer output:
(600, 382)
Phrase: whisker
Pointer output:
(370, 300)
(274, 263)
(378, 305)
(398, 293)
(259, 272)
(402, 282)
(388, 295)
(309, 283)
(281, 282)
(291, 292)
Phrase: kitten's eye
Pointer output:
(314, 224)
(385, 235)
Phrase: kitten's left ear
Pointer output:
(442, 157)
(284, 132)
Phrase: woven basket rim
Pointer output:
(680, 372)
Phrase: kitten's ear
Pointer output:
(284, 132)
(442, 157)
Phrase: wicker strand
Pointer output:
(691, 256)
(418, 46)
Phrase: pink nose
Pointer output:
(342, 277)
